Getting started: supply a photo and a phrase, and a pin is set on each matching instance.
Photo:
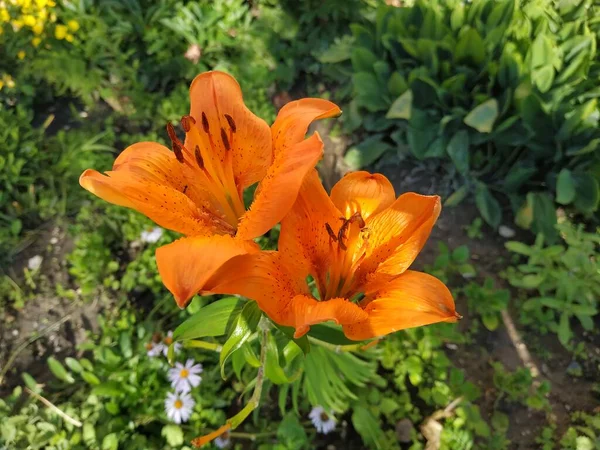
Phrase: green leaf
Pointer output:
(470, 48)
(90, 378)
(565, 187)
(488, 206)
(110, 442)
(73, 364)
(461, 254)
(329, 333)
(362, 59)
(367, 152)
(302, 342)
(544, 215)
(59, 370)
(542, 51)
(173, 434)
(273, 369)
(369, 93)
(457, 196)
(212, 320)
(587, 192)
(564, 329)
(402, 107)
(108, 389)
(30, 382)
(458, 149)
(519, 247)
(245, 326)
(367, 425)
(490, 321)
(483, 116)
(291, 433)
(543, 77)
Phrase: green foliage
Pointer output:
(583, 434)
(501, 90)
(487, 301)
(449, 263)
(561, 281)
(519, 386)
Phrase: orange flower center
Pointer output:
(215, 174)
(184, 373)
(348, 249)
(178, 404)
(168, 340)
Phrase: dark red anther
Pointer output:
(175, 143)
(231, 123)
(204, 123)
(187, 122)
(330, 232)
(198, 156)
(225, 139)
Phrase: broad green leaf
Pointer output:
(490, 321)
(367, 152)
(291, 433)
(367, 425)
(73, 364)
(402, 107)
(542, 51)
(587, 192)
(458, 149)
(212, 320)
(488, 206)
(110, 442)
(173, 434)
(519, 247)
(483, 116)
(59, 370)
(544, 215)
(331, 334)
(470, 48)
(338, 52)
(245, 326)
(90, 378)
(565, 187)
(273, 369)
(363, 59)
(457, 196)
(302, 342)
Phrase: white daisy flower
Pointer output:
(179, 406)
(184, 378)
(168, 340)
(154, 349)
(323, 421)
(152, 236)
(223, 441)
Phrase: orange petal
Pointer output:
(262, 277)
(293, 120)
(413, 299)
(166, 206)
(187, 263)
(305, 311)
(304, 243)
(362, 192)
(218, 96)
(200, 441)
(398, 233)
(277, 192)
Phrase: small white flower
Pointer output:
(506, 232)
(323, 421)
(179, 406)
(223, 441)
(154, 349)
(184, 378)
(35, 262)
(168, 340)
(152, 236)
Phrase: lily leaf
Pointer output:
(212, 320)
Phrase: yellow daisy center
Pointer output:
(178, 404)
(184, 373)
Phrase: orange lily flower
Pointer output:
(357, 246)
(197, 189)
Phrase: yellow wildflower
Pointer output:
(28, 20)
(21, 54)
(1, 84)
(36, 41)
(4, 15)
(17, 25)
(69, 38)
(73, 25)
(9, 81)
(60, 32)
(38, 28)
(41, 3)
(51, 3)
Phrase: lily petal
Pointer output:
(411, 300)
(362, 192)
(304, 242)
(277, 192)
(293, 120)
(305, 311)
(217, 97)
(398, 233)
(187, 263)
(165, 205)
